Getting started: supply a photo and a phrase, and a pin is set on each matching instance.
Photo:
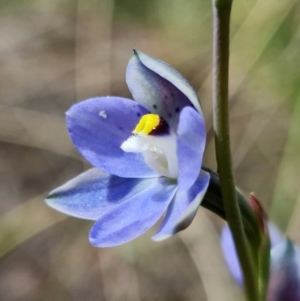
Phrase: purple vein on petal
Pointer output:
(95, 193)
(135, 216)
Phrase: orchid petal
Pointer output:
(183, 208)
(150, 85)
(284, 283)
(99, 126)
(230, 255)
(172, 75)
(135, 216)
(190, 146)
(95, 193)
(276, 236)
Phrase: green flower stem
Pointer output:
(213, 201)
(221, 15)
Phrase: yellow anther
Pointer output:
(147, 124)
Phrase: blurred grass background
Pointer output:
(54, 53)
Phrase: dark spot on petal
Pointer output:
(154, 106)
(138, 114)
(177, 110)
(166, 96)
(172, 94)
(120, 128)
(170, 115)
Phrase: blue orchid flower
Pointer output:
(147, 155)
(284, 282)
(229, 252)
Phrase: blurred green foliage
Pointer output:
(53, 53)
